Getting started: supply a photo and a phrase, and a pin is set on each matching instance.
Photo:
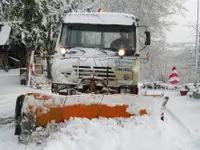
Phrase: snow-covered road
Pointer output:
(10, 83)
(186, 109)
(139, 133)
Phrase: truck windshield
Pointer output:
(97, 36)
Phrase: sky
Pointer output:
(181, 32)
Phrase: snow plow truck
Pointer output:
(95, 74)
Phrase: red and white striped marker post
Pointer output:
(173, 77)
(31, 68)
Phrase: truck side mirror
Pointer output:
(148, 38)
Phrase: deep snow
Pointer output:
(180, 130)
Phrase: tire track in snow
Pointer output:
(6, 121)
(184, 128)
(177, 120)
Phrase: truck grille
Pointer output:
(103, 72)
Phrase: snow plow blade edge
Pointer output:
(41, 109)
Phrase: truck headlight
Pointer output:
(121, 52)
(63, 51)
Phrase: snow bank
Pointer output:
(156, 85)
(40, 82)
(140, 133)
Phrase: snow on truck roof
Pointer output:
(107, 18)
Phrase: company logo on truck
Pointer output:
(123, 62)
(124, 65)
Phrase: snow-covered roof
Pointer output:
(4, 34)
(108, 18)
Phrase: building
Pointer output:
(11, 55)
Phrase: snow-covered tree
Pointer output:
(154, 68)
(37, 22)
(36, 18)
(150, 12)
(186, 62)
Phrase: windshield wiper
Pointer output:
(99, 49)
(102, 51)
(108, 48)
(81, 50)
(77, 48)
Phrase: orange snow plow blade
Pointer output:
(45, 108)
(82, 111)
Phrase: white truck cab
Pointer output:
(102, 43)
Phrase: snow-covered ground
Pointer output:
(180, 130)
